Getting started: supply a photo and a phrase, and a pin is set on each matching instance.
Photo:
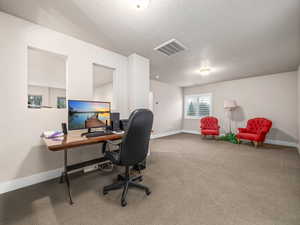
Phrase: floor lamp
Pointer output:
(230, 105)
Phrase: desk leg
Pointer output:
(104, 147)
(65, 176)
(61, 180)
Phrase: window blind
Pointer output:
(197, 106)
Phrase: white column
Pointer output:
(298, 109)
(139, 82)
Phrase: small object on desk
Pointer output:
(58, 139)
(52, 134)
(64, 128)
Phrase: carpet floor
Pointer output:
(193, 181)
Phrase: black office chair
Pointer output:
(133, 150)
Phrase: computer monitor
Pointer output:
(87, 114)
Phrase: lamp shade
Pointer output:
(230, 104)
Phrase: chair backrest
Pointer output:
(135, 144)
(256, 125)
(209, 122)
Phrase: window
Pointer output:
(61, 102)
(35, 101)
(197, 106)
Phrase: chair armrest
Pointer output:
(243, 130)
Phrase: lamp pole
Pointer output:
(230, 105)
(230, 113)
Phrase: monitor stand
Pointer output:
(88, 132)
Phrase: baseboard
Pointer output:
(190, 132)
(15, 184)
(283, 143)
(268, 141)
(166, 134)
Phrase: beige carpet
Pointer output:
(193, 181)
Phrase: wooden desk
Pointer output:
(72, 140)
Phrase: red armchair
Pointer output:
(255, 131)
(209, 126)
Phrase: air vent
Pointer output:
(170, 47)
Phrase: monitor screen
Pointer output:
(82, 111)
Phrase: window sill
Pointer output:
(193, 118)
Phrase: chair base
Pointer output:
(255, 143)
(214, 136)
(126, 182)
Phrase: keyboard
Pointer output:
(98, 134)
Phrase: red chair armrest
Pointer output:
(243, 130)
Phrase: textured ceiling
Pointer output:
(237, 38)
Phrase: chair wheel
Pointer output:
(148, 192)
(123, 203)
(141, 179)
(105, 192)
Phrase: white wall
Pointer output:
(298, 109)
(139, 82)
(46, 69)
(271, 96)
(22, 153)
(104, 93)
(167, 107)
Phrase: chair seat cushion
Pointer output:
(248, 136)
(209, 132)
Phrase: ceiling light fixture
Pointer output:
(141, 4)
(205, 71)
(205, 68)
